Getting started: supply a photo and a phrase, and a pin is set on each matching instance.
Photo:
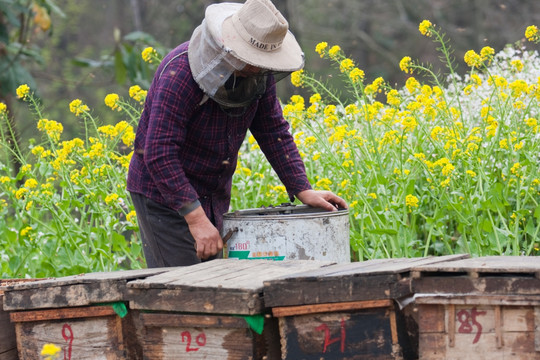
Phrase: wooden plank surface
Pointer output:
(484, 299)
(366, 334)
(72, 291)
(227, 273)
(225, 286)
(327, 308)
(8, 343)
(184, 336)
(362, 281)
(92, 338)
(487, 331)
(19, 284)
(462, 283)
(61, 314)
(488, 264)
(372, 267)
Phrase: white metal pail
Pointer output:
(287, 232)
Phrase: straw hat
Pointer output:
(259, 35)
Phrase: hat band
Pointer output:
(250, 39)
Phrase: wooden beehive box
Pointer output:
(347, 311)
(86, 315)
(213, 310)
(488, 306)
(8, 340)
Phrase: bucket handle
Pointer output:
(229, 235)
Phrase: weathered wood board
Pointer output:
(496, 275)
(77, 290)
(95, 332)
(487, 306)
(8, 343)
(224, 286)
(182, 336)
(376, 332)
(455, 332)
(368, 280)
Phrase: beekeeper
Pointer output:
(205, 95)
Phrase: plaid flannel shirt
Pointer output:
(186, 152)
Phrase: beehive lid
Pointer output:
(512, 275)
(71, 291)
(367, 280)
(225, 286)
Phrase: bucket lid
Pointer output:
(284, 210)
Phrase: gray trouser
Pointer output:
(164, 234)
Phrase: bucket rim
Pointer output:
(284, 211)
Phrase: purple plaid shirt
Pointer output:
(186, 151)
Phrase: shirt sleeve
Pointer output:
(272, 133)
(174, 102)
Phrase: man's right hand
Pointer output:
(208, 241)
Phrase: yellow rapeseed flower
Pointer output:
(411, 201)
(323, 183)
(137, 94)
(412, 85)
(334, 51)
(22, 91)
(111, 198)
(77, 107)
(19, 194)
(393, 98)
(26, 230)
(315, 98)
(486, 54)
(346, 65)
(149, 54)
(132, 217)
(515, 169)
(517, 64)
(470, 173)
(50, 350)
(3, 108)
(472, 59)
(532, 34)
(53, 128)
(372, 195)
(357, 75)
(111, 100)
(426, 28)
(31, 183)
(321, 48)
(405, 65)
(297, 78)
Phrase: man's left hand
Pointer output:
(326, 200)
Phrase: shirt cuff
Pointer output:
(186, 209)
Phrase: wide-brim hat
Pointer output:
(258, 34)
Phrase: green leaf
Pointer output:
(119, 67)
(379, 231)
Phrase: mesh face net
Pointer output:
(216, 70)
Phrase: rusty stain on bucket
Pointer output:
(287, 232)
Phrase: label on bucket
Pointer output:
(259, 255)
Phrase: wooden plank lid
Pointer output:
(223, 286)
(490, 275)
(70, 291)
(359, 281)
(488, 264)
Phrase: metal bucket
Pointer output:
(287, 232)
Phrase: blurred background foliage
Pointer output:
(88, 48)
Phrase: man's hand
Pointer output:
(207, 238)
(326, 200)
